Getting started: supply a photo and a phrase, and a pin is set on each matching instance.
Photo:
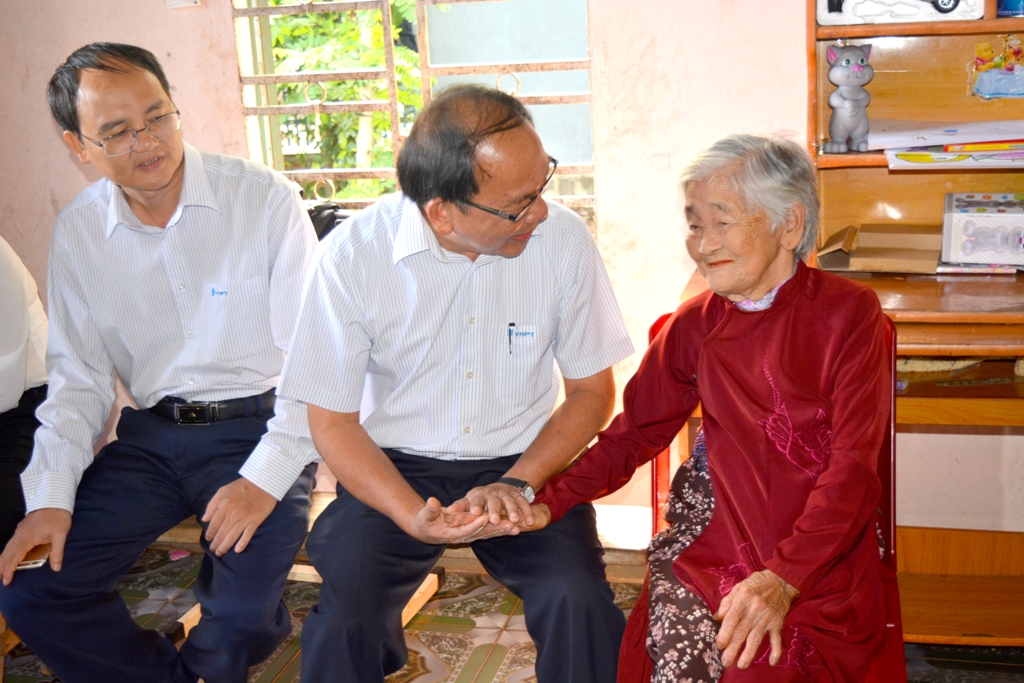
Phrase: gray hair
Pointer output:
(771, 174)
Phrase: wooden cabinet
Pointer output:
(921, 73)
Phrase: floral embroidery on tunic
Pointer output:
(816, 439)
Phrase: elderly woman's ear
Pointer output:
(792, 229)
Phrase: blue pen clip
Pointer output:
(511, 331)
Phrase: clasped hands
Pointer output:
(485, 512)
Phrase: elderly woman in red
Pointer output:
(773, 517)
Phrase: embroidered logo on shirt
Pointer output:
(522, 334)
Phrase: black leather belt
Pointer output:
(199, 413)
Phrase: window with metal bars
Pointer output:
(330, 89)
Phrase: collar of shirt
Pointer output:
(766, 301)
(195, 191)
(415, 235)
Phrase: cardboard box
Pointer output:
(899, 236)
(883, 248)
(835, 253)
(886, 260)
(980, 227)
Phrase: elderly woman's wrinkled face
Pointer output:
(734, 248)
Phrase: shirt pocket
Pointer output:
(237, 318)
(528, 377)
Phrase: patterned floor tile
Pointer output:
(472, 631)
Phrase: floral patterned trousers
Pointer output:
(682, 634)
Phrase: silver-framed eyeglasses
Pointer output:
(127, 140)
(516, 217)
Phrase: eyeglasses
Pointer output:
(516, 217)
(126, 141)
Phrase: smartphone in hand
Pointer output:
(36, 557)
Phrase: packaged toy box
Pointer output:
(983, 228)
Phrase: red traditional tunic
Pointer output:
(795, 400)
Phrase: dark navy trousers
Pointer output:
(155, 475)
(371, 568)
(17, 431)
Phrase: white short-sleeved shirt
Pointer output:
(444, 356)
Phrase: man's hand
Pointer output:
(430, 525)
(46, 525)
(458, 516)
(235, 513)
(752, 608)
(497, 502)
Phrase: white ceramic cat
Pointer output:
(849, 69)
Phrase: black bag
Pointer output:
(326, 216)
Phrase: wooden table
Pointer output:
(954, 315)
(955, 585)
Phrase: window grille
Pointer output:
(286, 109)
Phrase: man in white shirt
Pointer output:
(182, 271)
(22, 380)
(425, 352)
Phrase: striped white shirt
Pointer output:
(444, 356)
(202, 309)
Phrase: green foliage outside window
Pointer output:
(335, 41)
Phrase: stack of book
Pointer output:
(934, 145)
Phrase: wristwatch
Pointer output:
(523, 486)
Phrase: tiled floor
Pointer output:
(472, 631)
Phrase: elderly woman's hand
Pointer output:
(752, 608)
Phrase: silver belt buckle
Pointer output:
(193, 413)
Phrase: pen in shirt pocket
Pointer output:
(511, 331)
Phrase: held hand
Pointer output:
(497, 502)
(430, 525)
(47, 525)
(235, 513)
(458, 515)
(753, 607)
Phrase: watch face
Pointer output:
(528, 493)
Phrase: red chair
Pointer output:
(890, 666)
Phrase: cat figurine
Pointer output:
(849, 69)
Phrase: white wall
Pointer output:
(40, 175)
(669, 78)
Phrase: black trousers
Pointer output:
(155, 475)
(17, 432)
(371, 568)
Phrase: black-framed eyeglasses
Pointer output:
(516, 217)
(127, 140)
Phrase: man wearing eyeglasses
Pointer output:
(425, 350)
(182, 271)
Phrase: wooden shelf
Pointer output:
(962, 610)
(923, 28)
(852, 160)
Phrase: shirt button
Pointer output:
(466, 430)
(469, 375)
(181, 288)
(191, 336)
(191, 380)
(472, 320)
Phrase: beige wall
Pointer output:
(40, 175)
(668, 79)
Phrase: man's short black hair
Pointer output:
(62, 92)
(438, 159)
